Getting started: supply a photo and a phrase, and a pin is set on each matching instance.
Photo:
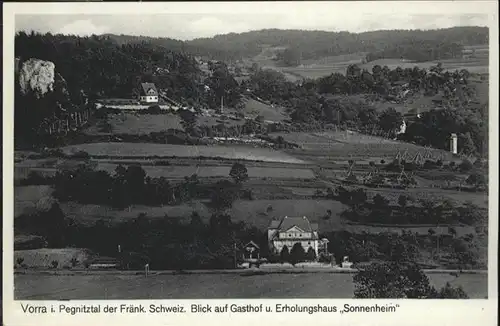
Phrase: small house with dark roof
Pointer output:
(252, 251)
(148, 93)
(292, 230)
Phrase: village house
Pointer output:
(148, 93)
(292, 230)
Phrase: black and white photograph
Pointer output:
(328, 153)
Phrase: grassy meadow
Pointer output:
(477, 63)
(211, 286)
(141, 150)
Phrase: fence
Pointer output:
(71, 122)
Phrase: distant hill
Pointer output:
(418, 45)
(379, 44)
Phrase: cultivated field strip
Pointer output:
(145, 150)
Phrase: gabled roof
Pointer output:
(253, 244)
(274, 224)
(147, 86)
(289, 222)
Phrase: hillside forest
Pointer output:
(86, 71)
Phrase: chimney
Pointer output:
(454, 143)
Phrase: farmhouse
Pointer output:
(148, 93)
(292, 230)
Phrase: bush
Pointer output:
(324, 259)
(104, 126)
(74, 262)
(465, 166)
(284, 255)
(450, 292)
(35, 178)
(54, 264)
(81, 155)
(20, 261)
(318, 193)
(311, 254)
(297, 254)
(274, 259)
(154, 109)
(430, 165)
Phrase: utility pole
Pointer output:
(437, 243)
(235, 260)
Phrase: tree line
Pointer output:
(130, 185)
(407, 211)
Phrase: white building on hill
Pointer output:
(148, 94)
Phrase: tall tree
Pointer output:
(297, 254)
(390, 121)
(188, 120)
(238, 172)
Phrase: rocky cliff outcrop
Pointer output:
(37, 77)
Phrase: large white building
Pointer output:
(292, 230)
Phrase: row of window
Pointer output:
(295, 235)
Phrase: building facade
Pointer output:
(292, 230)
(149, 93)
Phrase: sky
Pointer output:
(188, 24)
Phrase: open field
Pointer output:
(136, 124)
(89, 214)
(337, 146)
(477, 63)
(211, 286)
(45, 167)
(254, 108)
(42, 258)
(179, 172)
(129, 123)
(167, 150)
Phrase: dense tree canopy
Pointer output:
(396, 280)
(102, 67)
